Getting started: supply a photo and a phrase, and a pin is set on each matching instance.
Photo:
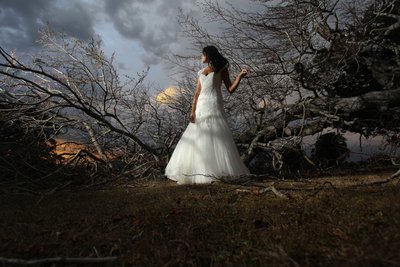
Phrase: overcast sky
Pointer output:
(139, 31)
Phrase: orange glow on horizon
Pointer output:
(69, 148)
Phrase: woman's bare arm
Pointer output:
(196, 96)
(231, 87)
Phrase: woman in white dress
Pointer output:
(206, 151)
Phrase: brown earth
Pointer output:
(159, 223)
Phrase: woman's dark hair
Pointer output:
(217, 61)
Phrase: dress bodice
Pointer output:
(211, 85)
(210, 102)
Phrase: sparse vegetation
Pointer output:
(329, 222)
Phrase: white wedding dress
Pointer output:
(206, 151)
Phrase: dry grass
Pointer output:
(157, 223)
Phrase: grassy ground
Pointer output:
(159, 223)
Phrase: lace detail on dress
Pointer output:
(210, 102)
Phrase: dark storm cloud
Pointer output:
(126, 16)
(20, 21)
(77, 19)
(152, 23)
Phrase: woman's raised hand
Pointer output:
(244, 72)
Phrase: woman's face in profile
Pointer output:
(203, 58)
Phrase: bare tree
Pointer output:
(316, 64)
(76, 91)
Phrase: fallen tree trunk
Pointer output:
(311, 116)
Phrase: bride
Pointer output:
(206, 151)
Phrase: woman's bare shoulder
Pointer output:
(200, 71)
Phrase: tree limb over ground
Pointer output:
(313, 65)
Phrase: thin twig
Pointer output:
(57, 260)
